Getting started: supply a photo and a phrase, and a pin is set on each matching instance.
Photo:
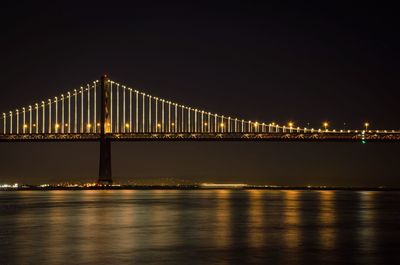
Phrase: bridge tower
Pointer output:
(105, 176)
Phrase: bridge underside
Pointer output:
(275, 137)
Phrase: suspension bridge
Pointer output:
(106, 111)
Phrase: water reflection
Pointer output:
(367, 217)
(199, 227)
(87, 224)
(327, 216)
(292, 219)
(256, 218)
(163, 220)
(223, 227)
(55, 237)
(23, 236)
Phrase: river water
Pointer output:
(199, 227)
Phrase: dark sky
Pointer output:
(268, 62)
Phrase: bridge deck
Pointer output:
(277, 137)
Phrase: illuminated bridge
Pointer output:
(105, 111)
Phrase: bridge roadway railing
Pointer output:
(294, 136)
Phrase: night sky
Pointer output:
(279, 62)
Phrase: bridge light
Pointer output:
(205, 124)
(159, 125)
(127, 125)
(366, 125)
(325, 124)
(98, 124)
(172, 124)
(290, 124)
(57, 126)
(25, 126)
(89, 125)
(66, 125)
(222, 125)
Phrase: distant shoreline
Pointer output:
(194, 187)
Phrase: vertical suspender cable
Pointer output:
(11, 122)
(69, 112)
(37, 117)
(43, 118)
(209, 122)
(94, 107)
(30, 119)
(81, 110)
(169, 116)
(76, 111)
(137, 111)
(162, 115)
(117, 126)
(150, 125)
(182, 118)
(62, 113)
(23, 121)
(17, 116)
(176, 118)
(143, 111)
(156, 109)
(111, 107)
(130, 110)
(189, 129)
(49, 100)
(56, 125)
(195, 120)
(123, 109)
(89, 125)
(4, 123)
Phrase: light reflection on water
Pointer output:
(199, 227)
(292, 219)
(327, 218)
(223, 226)
(256, 219)
(366, 220)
